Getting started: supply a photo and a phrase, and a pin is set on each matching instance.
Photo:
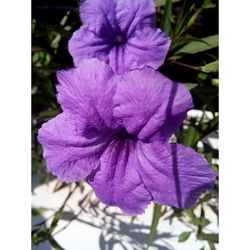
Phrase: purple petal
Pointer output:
(85, 91)
(174, 174)
(134, 14)
(150, 105)
(120, 59)
(149, 47)
(109, 16)
(117, 182)
(86, 44)
(99, 16)
(69, 154)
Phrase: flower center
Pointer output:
(120, 40)
(124, 135)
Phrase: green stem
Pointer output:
(155, 220)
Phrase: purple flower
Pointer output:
(120, 33)
(113, 133)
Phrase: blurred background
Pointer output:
(69, 216)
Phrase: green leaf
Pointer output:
(33, 25)
(211, 67)
(176, 213)
(210, 126)
(199, 221)
(183, 40)
(159, 3)
(47, 114)
(54, 244)
(59, 185)
(55, 221)
(213, 237)
(209, 157)
(211, 245)
(182, 20)
(184, 236)
(38, 211)
(215, 82)
(202, 76)
(55, 28)
(208, 4)
(38, 237)
(191, 85)
(155, 220)
(194, 47)
(193, 18)
(166, 19)
(192, 137)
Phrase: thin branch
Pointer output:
(197, 68)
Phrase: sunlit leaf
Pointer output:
(211, 67)
(191, 85)
(194, 47)
(55, 221)
(202, 76)
(159, 3)
(183, 40)
(199, 221)
(215, 82)
(208, 4)
(193, 18)
(184, 236)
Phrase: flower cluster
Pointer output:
(119, 113)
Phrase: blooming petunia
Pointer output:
(119, 32)
(113, 133)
